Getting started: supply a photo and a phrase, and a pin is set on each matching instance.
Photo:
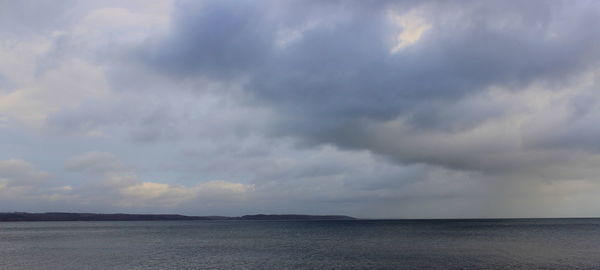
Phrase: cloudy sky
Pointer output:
(397, 109)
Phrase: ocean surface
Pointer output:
(361, 244)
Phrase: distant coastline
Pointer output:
(62, 216)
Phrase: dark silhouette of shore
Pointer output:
(60, 216)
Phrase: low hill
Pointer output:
(60, 216)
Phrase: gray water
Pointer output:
(425, 244)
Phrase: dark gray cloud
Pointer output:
(331, 71)
(343, 69)
(240, 40)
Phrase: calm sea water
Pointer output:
(466, 244)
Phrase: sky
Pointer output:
(375, 109)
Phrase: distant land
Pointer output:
(60, 216)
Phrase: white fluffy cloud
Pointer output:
(121, 186)
(18, 173)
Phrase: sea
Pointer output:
(351, 244)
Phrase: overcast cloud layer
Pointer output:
(378, 109)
